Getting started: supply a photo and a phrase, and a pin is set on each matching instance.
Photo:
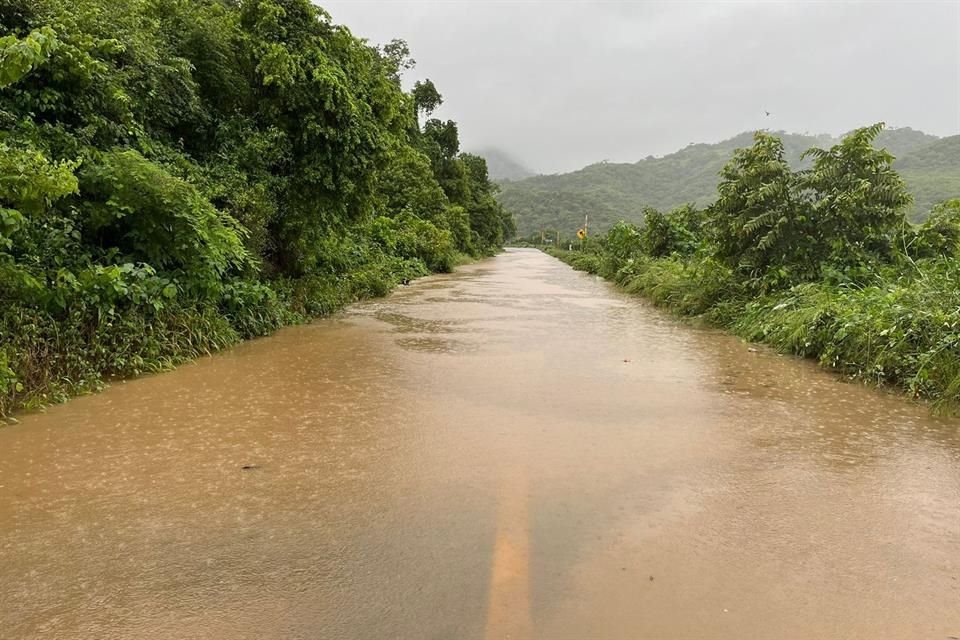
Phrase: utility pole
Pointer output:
(585, 216)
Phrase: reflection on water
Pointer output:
(409, 324)
(514, 450)
(436, 345)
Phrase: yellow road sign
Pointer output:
(581, 234)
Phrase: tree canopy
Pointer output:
(171, 155)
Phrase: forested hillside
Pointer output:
(610, 192)
(502, 166)
(932, 173)
(176, 176)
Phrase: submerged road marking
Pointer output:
(508, 605)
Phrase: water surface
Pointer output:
(515, 450)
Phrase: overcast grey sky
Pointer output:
(562, 84)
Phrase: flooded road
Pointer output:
(513, 451)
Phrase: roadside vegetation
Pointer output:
(178, 176)
(819, 262)
(609, 192)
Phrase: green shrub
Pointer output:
(410, 237)
(151, 216)
(254, 309)
(939, 235)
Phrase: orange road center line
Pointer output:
(508, 612)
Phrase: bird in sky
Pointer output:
(768, 113)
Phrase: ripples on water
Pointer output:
(515, 449)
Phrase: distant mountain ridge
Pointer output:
(932, 173)
(502, 167)
(610, 192)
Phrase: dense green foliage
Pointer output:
(177, 175)
(819, 262)
(610, 192)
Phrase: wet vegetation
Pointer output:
(609, 192)
(177, 176)
(819, 262)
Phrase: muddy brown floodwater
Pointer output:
(515, 451)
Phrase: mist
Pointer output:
(559, 85)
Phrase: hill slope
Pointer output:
(502, 167)
(612, 191)
(932, 173)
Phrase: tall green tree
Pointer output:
(856, 201)
(758, 223)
